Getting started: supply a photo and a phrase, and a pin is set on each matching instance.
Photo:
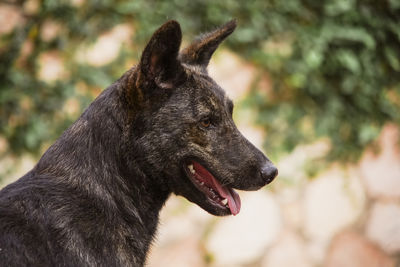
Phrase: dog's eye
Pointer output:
(206, 122)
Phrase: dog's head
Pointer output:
(185, 129)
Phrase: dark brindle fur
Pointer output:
(93, 198)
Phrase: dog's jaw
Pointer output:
(222, 198)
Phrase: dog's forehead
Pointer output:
(207, 86)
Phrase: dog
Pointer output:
(165, 127)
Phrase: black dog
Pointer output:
(164, 127)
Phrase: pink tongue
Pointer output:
(232, 197)
(228, 193)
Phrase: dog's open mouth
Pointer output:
(219, 195)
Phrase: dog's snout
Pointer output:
(269, 172)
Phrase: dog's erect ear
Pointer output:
(200, 51)
(159, 62)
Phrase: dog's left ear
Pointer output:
(159, 63)
(200, 51)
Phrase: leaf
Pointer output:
(351, 34)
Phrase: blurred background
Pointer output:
(316, 85)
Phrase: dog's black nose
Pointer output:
(269, 172)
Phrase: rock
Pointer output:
(383, 226)
(244, 238)
(289, 251)
(184, 253)
(234, 75)
(50, 29)
(292, 214)
(179, 220)
(51, 66)
(181, 229)
(317, 250)
(107, 47)
(19, 168)
(381, 172)
(292, 180)
(31, 7)
(291, 167)
(349, 249)
(254, 134)
(332, 201)
(10, 17)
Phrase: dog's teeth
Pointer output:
(224, 201)
(201, 183)
(190, 166)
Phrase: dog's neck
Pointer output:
(120, 183)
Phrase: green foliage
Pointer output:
(335, 64)
(341, 75)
